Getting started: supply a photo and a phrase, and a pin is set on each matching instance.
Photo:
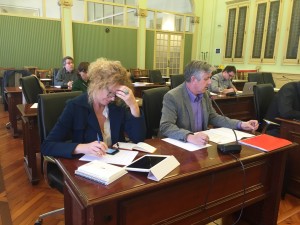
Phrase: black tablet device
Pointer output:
(145, 163)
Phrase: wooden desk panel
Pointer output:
(290, 129)
(141, 79)
(236, 107)
(206, 186)
(31, 140)
(14, 95)
(55, 89)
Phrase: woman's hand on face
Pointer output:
(126, 95)
(94, 148)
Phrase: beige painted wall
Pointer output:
(212, 15)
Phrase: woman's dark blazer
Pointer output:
(78, 124)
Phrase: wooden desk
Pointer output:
(236, 107)
(46, 81)
(31, 69)
(14, 97)
(206, 186)
(141, 79)
(290, 129)
(31, 140)
(147, 79)
(243, 74)
(52, 89)
(42, 73)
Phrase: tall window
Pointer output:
(266, 31)
(235, 33)
(112, 12)
(293, 43)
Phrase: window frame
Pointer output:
(125, 22)
(234, 43)
(262, 58)
(285, 60)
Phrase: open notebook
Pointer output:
(247, 89)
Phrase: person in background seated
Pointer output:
(285, 104)
(187, 109)
(96, 120)
(67, 75)
(81, 83)
(221, 82)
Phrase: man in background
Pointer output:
(285, 104)
(81, 84)
(221, 82)
(67, 74)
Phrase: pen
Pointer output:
(98, 138)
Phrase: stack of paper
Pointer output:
(123, 157)
(225, 135)
(100, 172)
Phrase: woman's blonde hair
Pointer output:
(104, 73)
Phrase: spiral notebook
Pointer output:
(100, 172)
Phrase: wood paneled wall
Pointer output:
(30, 42)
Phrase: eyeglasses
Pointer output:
(231, 74)
(111, 94)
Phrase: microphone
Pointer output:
(228, 148)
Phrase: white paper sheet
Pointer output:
(225, 135)
(137, 84)
(185, 145)
(34, 106)
(123, 157)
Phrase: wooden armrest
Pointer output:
(47, 159)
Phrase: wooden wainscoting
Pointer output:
(282, 78)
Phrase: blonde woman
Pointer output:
(99, 118)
